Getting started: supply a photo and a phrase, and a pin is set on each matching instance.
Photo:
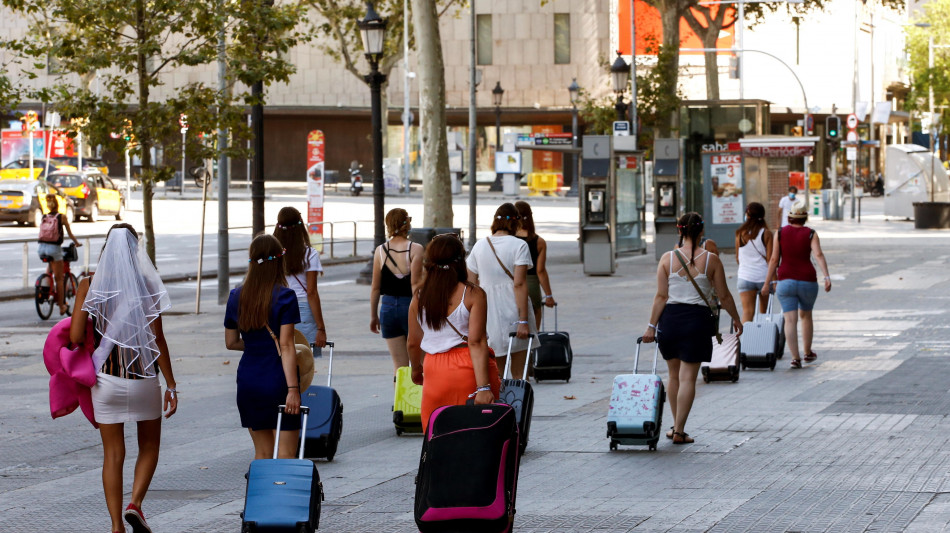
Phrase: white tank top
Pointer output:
(446, 338)
(752, 263)
(681, 290)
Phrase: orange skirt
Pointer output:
(448, 379)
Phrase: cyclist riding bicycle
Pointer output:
(50, 248)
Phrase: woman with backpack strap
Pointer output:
(397, 274)
(301, 269)
(51, 245)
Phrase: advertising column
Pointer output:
(315, 158)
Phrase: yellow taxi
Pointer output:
(20, 168)
(92, 193)
(88, 164)
(24, 201)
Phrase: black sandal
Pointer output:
(684, 438)
(671, 432)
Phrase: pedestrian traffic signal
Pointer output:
(833, 127)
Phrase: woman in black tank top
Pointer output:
(539, 284)
(397, 271)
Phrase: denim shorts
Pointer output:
(52, 250)
(394, 316)
(795, 295)
(744, 285)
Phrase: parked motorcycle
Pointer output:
(356, 179)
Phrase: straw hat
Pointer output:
(799, 210)
(304, 361)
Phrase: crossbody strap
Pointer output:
(449, 322)
(689, 276)
(276, 342)
(492, 246)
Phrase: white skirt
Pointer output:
(118, 400)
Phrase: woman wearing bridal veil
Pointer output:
(125, 299)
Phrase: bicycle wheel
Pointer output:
(44, 296)
(69, 297)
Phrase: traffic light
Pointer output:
(833, 128)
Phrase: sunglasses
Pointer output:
(450, 234)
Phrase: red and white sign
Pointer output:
(15, 144)
(725, 172)
(315, 163)
(852, 121)
(777, 150)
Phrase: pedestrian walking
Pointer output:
(785, 204)
(397, 274)
(51, 239)
(448, 345)
(753, 248)
(302, 268)
(688, 278)
(539, 284)
(797, 288)
(125, 298)
(499, 265)
(259, 321)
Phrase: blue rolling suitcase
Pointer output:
(283, 494)
(326, 417)
(635, 414)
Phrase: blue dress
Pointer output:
(261, 385)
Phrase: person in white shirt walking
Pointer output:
(786, 203)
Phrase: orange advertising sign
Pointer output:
(650, 29)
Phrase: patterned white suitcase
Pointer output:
(724, 365)
(635, 414)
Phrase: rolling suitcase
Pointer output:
(635, 414)
(759, 345)
(553, 358)
(724, 365)
(407, 404)
(468, 472)
(283, 494)
(326, 419)
(518, 394)
(779, 320)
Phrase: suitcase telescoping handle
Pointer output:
(304, 410)
(527, 356)
(330, 365)
(636, 356)
(555, 318)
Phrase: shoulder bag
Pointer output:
(713, 311)
(492, 246)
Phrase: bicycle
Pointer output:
(200, 175)
(45, 291)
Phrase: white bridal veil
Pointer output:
(125, 296)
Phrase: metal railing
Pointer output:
(332, 242)
(87, 240)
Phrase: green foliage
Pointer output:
(923, 78)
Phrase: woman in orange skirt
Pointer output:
(448, 346)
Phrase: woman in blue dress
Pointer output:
(259, 312)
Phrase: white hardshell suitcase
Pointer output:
(759, 345)
(635, 414)
(775, 318)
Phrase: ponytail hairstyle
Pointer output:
(444, 266)
(506, 219)
(293, 236)
(265, 270)
(527, 221)
(397, 223)
(754, 222)
(690, 227)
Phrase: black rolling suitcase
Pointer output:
(326, 417)
(468, 472)
(518, 394)
(553, 358)
(283, 494)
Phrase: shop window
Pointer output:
(483, 39)
(562, 38)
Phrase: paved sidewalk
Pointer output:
(853, 442)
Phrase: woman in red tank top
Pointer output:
(797, 287)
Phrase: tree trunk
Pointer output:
(670, 12)
(436, 187)
(145, 144)
(711, 64)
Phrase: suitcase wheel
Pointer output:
(613, 444)
(398, 431)
(248, 527)
(705, 377)
(653, 446)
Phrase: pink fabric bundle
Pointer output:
(71, 371)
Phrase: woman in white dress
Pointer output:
(499, 265)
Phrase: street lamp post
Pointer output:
(619, 72)
(574, 90)
(496, 96)
(373, 32)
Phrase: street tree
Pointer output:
(130, 45)
(923, 78)
(342, 43)
(668, 71)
